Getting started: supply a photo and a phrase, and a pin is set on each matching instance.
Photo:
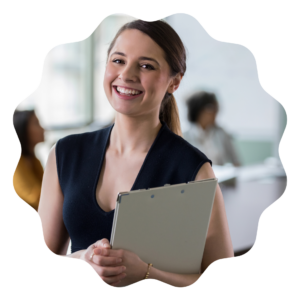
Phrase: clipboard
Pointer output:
(165, 226)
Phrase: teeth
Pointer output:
(127, 91)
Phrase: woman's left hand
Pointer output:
(136, 269)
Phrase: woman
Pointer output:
(205, 134)
(84, 172)
(29, 173)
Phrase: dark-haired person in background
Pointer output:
(205, 134)
(29, 173)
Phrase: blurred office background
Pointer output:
(71, 99)
(70, 96)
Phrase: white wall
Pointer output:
(229, 70)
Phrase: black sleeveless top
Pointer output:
(79, 158)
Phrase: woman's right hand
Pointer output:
(110, 269)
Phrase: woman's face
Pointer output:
(137, 75)
(35, 131)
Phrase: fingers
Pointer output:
(109, 252)
(111, 275)
(105, 257)
(113, 280)
(108, 265)
(105, 260)
(110, 271)
(102, 243)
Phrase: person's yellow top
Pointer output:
(28, 180)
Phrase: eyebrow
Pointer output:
(141, 57)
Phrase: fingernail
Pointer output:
(119, 260)
(106, 246)
(123, 268)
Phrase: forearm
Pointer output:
(178, 280)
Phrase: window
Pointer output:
(63, 98)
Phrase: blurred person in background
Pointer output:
(205, 134)
(29, 173)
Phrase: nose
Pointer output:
(129, 73)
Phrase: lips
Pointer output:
(126, 93)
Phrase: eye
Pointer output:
(118, 61)
(147, 66)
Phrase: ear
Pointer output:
(174, 84)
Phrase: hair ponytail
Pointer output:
(169, 113)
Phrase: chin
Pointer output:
(124, 107)
(122, 110)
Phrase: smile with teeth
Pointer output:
(128, 91)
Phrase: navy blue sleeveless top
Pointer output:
(79, 158)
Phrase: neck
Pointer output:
(134, 133)
(30, 152)
(28, 156)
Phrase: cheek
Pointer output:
(109, 76)
(31, 134)
(156, 85)
(35, 131)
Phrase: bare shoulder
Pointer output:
(50, 168)
(52, 156)
(205, 172)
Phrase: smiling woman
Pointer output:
(143, 149)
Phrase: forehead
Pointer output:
(133, 42)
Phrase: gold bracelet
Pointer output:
(148, 271)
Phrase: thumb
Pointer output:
(103, 243)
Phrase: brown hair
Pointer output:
(166, 37)
(200, 101)
(21, 119)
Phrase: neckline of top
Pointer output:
(109, 129)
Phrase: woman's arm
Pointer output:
(51, 207)
(218, 242)
(55, 233)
